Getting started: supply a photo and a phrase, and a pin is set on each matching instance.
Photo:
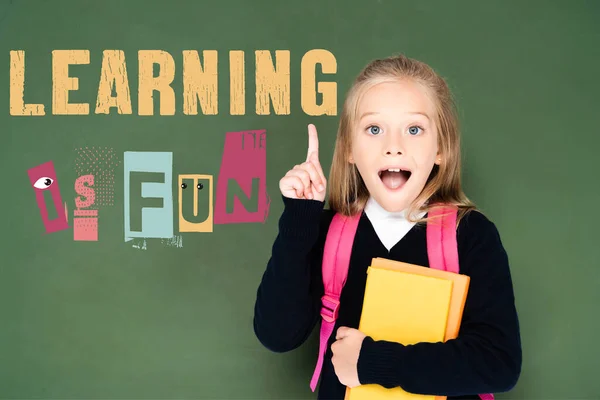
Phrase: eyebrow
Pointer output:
(413, 112)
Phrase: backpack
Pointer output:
(442, 252)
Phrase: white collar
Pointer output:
(390, 227)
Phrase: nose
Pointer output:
(393, 145)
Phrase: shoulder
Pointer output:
(474, 224)
(326, 219)
(479, 242)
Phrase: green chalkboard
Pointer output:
(113, 306)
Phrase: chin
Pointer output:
(392, 200)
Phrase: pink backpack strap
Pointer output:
(336, 260)
(442, 247)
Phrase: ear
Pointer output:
(350, 159)
(438, 160)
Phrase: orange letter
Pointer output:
(237, 84)
(62, 83)
(148, 83)
(273, 82)
(200, 83)
(113, 74)
(17, 87)
(199, 223)
(327, 89)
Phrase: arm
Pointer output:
(289, 296)
(486, 356)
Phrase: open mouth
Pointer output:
(394, 178)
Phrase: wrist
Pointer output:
(376, 362)
(300, 218)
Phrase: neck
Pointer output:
(374, 209)
(390, 227)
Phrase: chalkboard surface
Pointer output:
(162, 207)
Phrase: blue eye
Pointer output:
(411, 130)
(375, 130)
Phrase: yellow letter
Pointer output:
(62, 83)
(148, 83)
(327, 89)
(17, 87)
(237, 83)
(113, 74)
(206, 225)
(273, 81)
(200, 82)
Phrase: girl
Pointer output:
(397, 150)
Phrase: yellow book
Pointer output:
(408, 304)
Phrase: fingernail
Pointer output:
(321, 188)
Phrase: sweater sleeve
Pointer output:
(486, 355)
(288, 298)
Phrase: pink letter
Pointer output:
(43, 177)
(85, 223)
(244, 164)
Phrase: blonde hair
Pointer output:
(348, 192)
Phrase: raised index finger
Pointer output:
(313, 143)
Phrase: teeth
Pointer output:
(390, 170)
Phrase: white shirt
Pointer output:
(390, 227)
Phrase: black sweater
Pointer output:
(486, 356)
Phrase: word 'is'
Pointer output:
(149, 196)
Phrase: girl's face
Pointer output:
(394, 143)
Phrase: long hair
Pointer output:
(348, 193)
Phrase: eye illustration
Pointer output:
(43, 183)
(183, 185)
(200, 186)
